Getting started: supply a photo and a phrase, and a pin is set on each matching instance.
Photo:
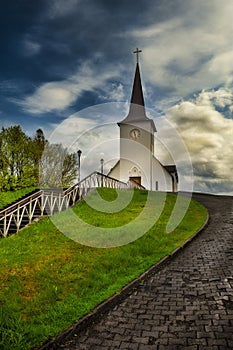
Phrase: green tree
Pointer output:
(28, 162)
(16, 159)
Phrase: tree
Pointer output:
(21, 158)
(16, 158)
(58, 167)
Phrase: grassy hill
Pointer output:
(49, 281)
(8, 197)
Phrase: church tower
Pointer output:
(139, 130)
(137, 161)
(136, 125)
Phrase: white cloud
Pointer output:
(221, 66)
(208, 137)
(56, 96)
(190, 52)
(223, 97)
(49, 97)
(115, 93)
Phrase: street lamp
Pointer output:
(39, 136)
(102, 170)
(79, 168)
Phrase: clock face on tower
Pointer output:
(134, 134)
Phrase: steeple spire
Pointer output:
(137, 111)
(137, 105)
(137, 93)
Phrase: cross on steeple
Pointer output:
(137, 54)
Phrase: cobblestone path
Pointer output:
(188, 304)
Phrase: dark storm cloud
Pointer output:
(16, 19)
(47, 40)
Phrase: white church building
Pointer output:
(137, 160)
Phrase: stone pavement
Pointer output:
(188, 304)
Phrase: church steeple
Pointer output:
(137, 111)
(137, 161)
(137, 93)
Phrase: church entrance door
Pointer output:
(136, 179)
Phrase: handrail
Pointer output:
(90, 176)
(51, 200)
(21, 201)
(136, 184)
(111, 178)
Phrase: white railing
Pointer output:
(11, 218)
(50, 201)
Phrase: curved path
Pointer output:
(188, 304)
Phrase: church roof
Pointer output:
(172, 170)
(137, 111)
(137, 94)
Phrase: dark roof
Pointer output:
(137, 112)
(137, 94)
(172, 170)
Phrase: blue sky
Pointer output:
(59, 57)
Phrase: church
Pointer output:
(137, 160)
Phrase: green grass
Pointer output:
(48, 281)
(9, 197)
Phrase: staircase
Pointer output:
(50, 201)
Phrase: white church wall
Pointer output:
(161, 179)
(135, 154)
(154, 179)
(125, 169)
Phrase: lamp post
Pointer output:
(102, 170)
(79, 167)
(39, 135)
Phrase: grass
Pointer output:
(9, 197)
(48, 281)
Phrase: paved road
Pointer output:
(186, 305)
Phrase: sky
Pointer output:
(64, 62)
